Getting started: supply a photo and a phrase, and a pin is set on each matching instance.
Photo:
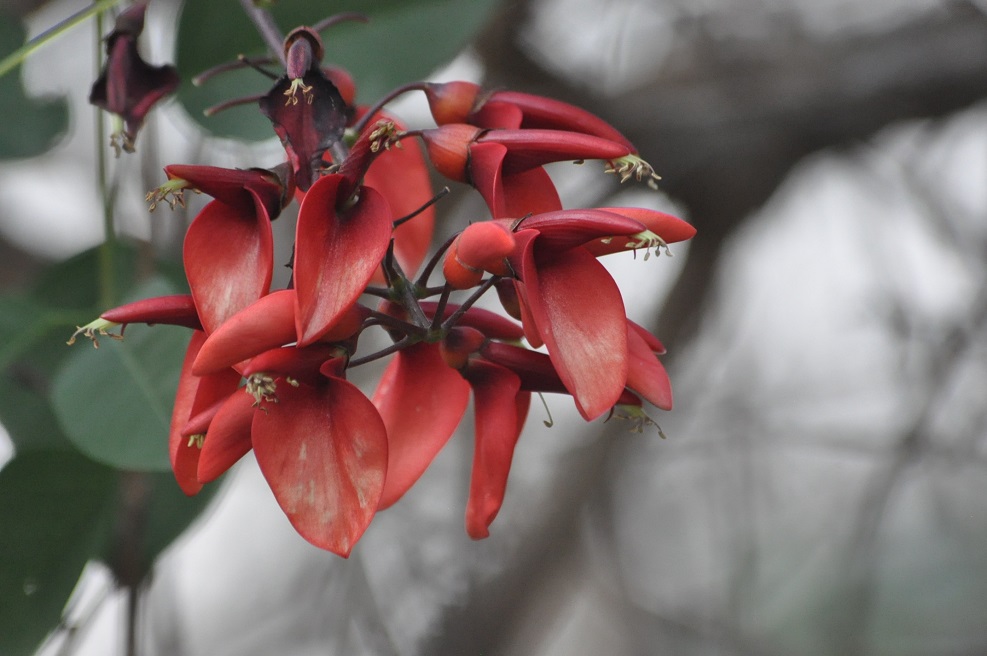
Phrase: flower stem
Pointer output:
(266, 27)
(107, 284)
(11, 61)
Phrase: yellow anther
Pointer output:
(262, 387)
(95, 329)
(632, 166)
(171, 192)
(196, 440)
(292, 92)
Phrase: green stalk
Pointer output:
(107, 285)
(11, 61)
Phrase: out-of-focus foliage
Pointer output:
(59, 508)
(29, 126)
(404, 41)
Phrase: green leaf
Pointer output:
(33, 331)
(31, 339)
(53, 513)
(114, 403)
(404, 41)
(29, 126)
(60, 510)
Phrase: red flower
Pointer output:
(319, 442)
(229, 247)
(569, 302)
(305, 107)
(505, 166)
(465, 102)
(337, 251)
(129, 86)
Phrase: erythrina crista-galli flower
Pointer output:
(266, 369)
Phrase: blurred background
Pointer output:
(822, 486)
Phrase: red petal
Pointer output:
(653, 342)
(421, 401)
(194, 395)
(175, 310)
(495, 114)
(580, 315)
(451, 102)
(510, 196)
(265, 324)
(228, 437)
(666, 226)
(228, 255)
(233, 186)
(485, 245)
(323, 451)
(401, 176)
(569, 228)
(495, 390)
(542, 112)
(530, 148)
(336, 254)
(448, 148)
(645, 374)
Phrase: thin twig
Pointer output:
(267, 28)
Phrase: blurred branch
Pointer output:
(724, 119)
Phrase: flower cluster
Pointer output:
(266, 370)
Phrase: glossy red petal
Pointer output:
(267, 323)
(645, 374)
(421, 401)
(494, 114)
(451, 102)
(402, 177)
(228, 256)
(564, 229)
(448, 148)
(323, 451)
(336, 254)
(653, 342)
(580, 315)
(510, 196)
(194, 395)
(495, 390)
(174, 310)
(669, 228)
(297, 362)
(232, 185)
(542, 112)
(185, 458)
(531, 148)
(309, 119)
(228, 437)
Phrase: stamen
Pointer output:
(95, 329)
(632, 166)
(171, 192)
(196, 440)
(291, 92)
(262, 387)
(637, 416)
(384, 135)
(648, 240)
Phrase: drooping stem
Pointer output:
(266, 27)
(336, 19)
(13, 59)
(404, 88)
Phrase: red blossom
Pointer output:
(128, 86)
